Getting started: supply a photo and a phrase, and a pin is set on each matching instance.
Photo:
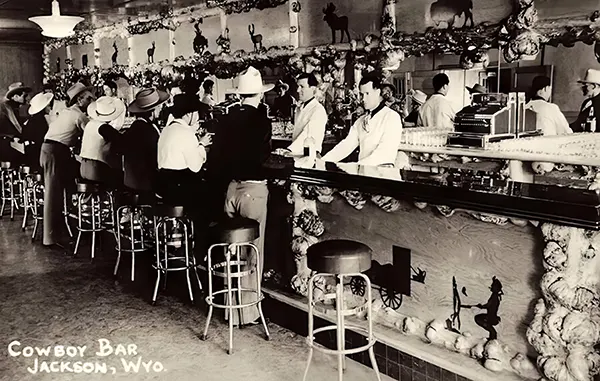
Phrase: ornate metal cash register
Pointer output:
(491, 118)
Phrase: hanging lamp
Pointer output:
(56, 25)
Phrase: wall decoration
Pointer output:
(446, 11)
(242, 6)
(200, 42)
(336, 23)
(58, 64)
(255, 38)
(490, 319)
(150, 52)
(84, 60)
(115, 54)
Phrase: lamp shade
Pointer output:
(56, 26)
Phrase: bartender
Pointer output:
(590, 86)
(548, 116)
(311, 117)
(438, 111)
(377, 133)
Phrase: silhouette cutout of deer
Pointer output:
(58, 64)
(200, 42)
(84, 60)
(115, 54)
(336, 22)
(150, 52)
(447, 10)
(256, 38)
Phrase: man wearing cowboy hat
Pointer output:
(476, 89)
(99, 161)
(36, 127)
(283, 105)
(60, 168)
(590, 108)
(418, 98)
(10, 124)
(138, 144)
(236, 160)
(311, 117)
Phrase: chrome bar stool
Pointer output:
(21, 182)
(340, 259)
(7, 193)
(95, 211)
(33, 201)
(133, 214)
(174, 231)
(235, 234)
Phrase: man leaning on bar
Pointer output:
(377, 133)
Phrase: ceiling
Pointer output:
(98, 12)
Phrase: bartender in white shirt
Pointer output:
(437, 111)
(549, 118)
(311, 117)
(377, 133)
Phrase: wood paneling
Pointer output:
(460, 246)
(21, 62)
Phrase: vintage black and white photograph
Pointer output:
(299, 190)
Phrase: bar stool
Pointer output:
(235, 234)
(33, 200)
(92, 211)
(173, 221)
(21, 182)
(7, 193)
(134, 212)
(339, 259)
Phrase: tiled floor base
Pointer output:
(392, 362)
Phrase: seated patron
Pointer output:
(437, 111)
(417, 99)
(549, 118)
(377, 133)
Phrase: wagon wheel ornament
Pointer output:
(390, 298)
(357, 285)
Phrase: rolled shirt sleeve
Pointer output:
(194, 155)
(345, 147)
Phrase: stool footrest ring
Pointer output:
(209, 299)
(370, 340)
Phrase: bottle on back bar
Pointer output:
(309, 147)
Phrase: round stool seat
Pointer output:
(339, 256)
(25, 170)
(170, 211)
(237, 230)
(88, 187)
(5, 165)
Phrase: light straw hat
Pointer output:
(39, 102)
(106, 109)
(250, 82)
(591, 76)
(419, 96)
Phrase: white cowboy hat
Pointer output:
(75, 90)
(13, 88)
(591, 76)
(39, 102)
(419, 96)
(250, 82)
(106, 109)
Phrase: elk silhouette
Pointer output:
(256, 38)
(200, 42)
(84, 60)
(447, 10)
(115, 54)
(336, 22)
(150, 52)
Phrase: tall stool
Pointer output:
(92, 211)
(33, 200)
(173, 231)
(135, 212)
(7, 193)
(339, 259)
(21, 182)
(235, 234)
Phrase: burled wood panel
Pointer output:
(460, 246)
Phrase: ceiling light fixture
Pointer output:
(56, 26)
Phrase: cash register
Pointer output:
(491, 118)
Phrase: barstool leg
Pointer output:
(310, 327)
(370, 321)
(209, 298)
(3, 184)
(259, 290)
(339, 306)
(119, 212)
(12, 199)
(93, 199)
(131, 230)
(229, 299)
(187, 261)
(25, 210)
(158, 270)
(239, 286)
(66, 213)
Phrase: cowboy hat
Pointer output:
(147, 100)
(15, 87)
(392, 87)
(250, 82)
(477, 89)
(75, 90)
(591, 76)
(106, 109)
(419, 96)
(39, 102)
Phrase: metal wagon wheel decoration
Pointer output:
(358, 286)
(390, 298)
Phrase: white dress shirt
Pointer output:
(67, 126)
(377, 137)
(309, 122)
(549, 118)
(437, 112)
(178, 148)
